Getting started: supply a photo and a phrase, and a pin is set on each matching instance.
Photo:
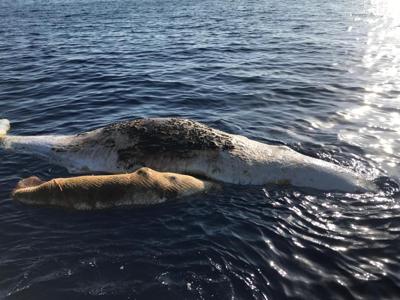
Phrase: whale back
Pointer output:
(143, 142)
(179, 136)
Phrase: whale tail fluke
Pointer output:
(4, 127)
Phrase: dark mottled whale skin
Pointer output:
(187, 147)
(154, 137)
(142, 142)
(178, 137)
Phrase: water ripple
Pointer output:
(320, 77)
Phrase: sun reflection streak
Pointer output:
(386, 8)
(376, 121)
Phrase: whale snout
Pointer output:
(29, 182)
(36, 192)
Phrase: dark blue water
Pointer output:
(320, 76)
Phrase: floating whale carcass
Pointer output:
(140, 188)
(187, 147)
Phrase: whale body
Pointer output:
(187, 147)
(140, 188)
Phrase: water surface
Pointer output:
(322, 78)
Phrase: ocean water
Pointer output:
(322, 77)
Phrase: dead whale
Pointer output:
(141, 188)
(186, 147)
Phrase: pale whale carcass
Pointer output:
(187, 147)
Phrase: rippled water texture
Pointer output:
(320, 76)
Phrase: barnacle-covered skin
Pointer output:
(187, 147)
(141, 188)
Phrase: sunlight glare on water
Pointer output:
(321, 77)
(378, 115)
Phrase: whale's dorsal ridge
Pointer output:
(171, 134)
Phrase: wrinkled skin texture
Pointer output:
(143, 187)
